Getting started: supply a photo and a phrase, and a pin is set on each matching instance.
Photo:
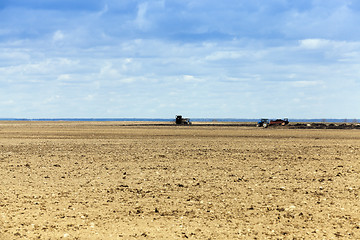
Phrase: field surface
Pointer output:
(104, 180)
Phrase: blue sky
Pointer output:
(159, 58)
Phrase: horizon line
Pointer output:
(200, 119)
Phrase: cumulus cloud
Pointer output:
(137, 58)
(314, 43)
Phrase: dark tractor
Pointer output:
(179, 120)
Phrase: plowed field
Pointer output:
(103, 180)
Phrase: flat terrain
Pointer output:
(103, 180)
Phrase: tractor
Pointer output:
(179, 120)
(264, 122)
(278, 122)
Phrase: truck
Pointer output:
(264, 122)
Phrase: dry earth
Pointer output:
(101, 180)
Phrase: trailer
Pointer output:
(264, 122)
(279, 122)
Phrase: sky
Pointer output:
(197, 58)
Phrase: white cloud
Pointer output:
(89, 97)
(58, 36)
(11, 54)
(7, 102)
(306, 83)
(63, 77)
(314, 43)
(220, 55)
(51, 99)
(126, 64)
(141, 20)
(340, 51)
(108, 72)
(189, 78)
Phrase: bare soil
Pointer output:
(105, 180)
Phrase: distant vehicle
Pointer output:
(278, 122)
(179, 120)
(264, 122)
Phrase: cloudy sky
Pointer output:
(198, 58)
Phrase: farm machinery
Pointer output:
(278, 122)
(179, 120)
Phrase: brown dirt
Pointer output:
(101, 180)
